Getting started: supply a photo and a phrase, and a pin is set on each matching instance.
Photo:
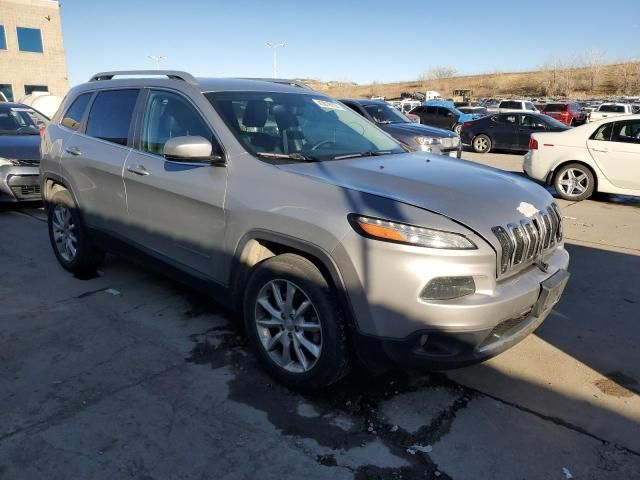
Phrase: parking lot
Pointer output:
(130, 375)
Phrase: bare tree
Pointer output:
(438, 73)
(624, 71)
(594, 61)
(559, 75)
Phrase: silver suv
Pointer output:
(335, 243)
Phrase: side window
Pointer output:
(75, 112)
(603, 133)
(432, 110)
(444, 112)
(508, 119)
(169, 115)
(110, 115)
(529, 106)
(626, 132)
(531, 122)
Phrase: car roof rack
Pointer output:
(171, 74)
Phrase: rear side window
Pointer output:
(612, 108)
(511, 105)
(555, 107)
(508, 119)
(75, 112)
(603, 133)
(110, 115)
(529, 106)
(432, 110)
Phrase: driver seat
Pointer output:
(292, 134)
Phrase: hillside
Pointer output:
(600, 81)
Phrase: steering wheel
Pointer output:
(323, 142)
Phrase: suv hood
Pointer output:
(477, 196)
(416, 129)
(20, 147)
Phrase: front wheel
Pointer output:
(481, 143)
(294, 323)
(574, 182)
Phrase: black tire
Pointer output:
(87, 257)
(333, 361)
(481, 143)
(457, 129)
(583, 187)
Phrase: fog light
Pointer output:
(446, 288)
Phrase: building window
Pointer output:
(7, 91)
(28, 89)
(29, 39)
(3, 39)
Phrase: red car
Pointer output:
(569, 113)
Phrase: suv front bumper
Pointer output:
(392, 321)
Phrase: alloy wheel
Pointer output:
(481, 144)
(288, 326)
(574, 182)
(64, 232)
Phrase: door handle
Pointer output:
(75, 151)
(603, 150)
(138, 169)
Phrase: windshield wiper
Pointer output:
(369, 153)
(289, 156)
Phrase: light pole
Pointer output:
(274, 47)
(157, 59)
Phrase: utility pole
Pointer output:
(157, 59)
(274, 47)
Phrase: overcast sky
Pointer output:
(341, 40)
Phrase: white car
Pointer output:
(601, 156)
(513, 106)
(608, 110)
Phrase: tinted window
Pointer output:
(74, 114)
(3, 39)
(531, 122)
(444, 112)
(418, 110)
(555, 107)
(385, 114)
(612, 108)
(510, 104)
(110, 115)
(29, 39)
(508, 119)
(168, 115)
(28, 89)
(603, 133)
(20, 121)
(7, 91)
(626, 132)
(432, 110)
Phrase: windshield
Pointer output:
(385, 114)
(299, 127)
(611, 108)
(21, 121)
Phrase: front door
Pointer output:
(615, 147)
(176, 209)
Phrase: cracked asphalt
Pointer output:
(131, 375)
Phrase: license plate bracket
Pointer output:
(550, 292)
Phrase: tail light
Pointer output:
(466, 124)
(533, 144)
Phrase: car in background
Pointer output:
(442, 114)
(596, 157)
(514, 106)
(569, 113)
(20, 127)
(474, 110)
(507, 131)
(607, 110)
(413, 135)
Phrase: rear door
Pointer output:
(528, 124)
(176, 209)
(615, 147)
(95, 156)
(505, 130)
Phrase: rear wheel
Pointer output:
(71, 243)
(574, 182)
(481, 143)
(294, 323)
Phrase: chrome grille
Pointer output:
(520, 243)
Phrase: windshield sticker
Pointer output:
(327, 105)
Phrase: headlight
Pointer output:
(427, 140)
(409, 234)
(6, 161)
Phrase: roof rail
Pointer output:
(171, 74)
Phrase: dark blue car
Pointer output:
(443, 114)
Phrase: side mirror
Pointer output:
(190, 149)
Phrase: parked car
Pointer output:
(286, 205)
(569, 113)
(412, 135)
(607, 110)
(442, 114)
(473, 110)
(507, 131)
(19, 152)
(602, 156)
(514, 106)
